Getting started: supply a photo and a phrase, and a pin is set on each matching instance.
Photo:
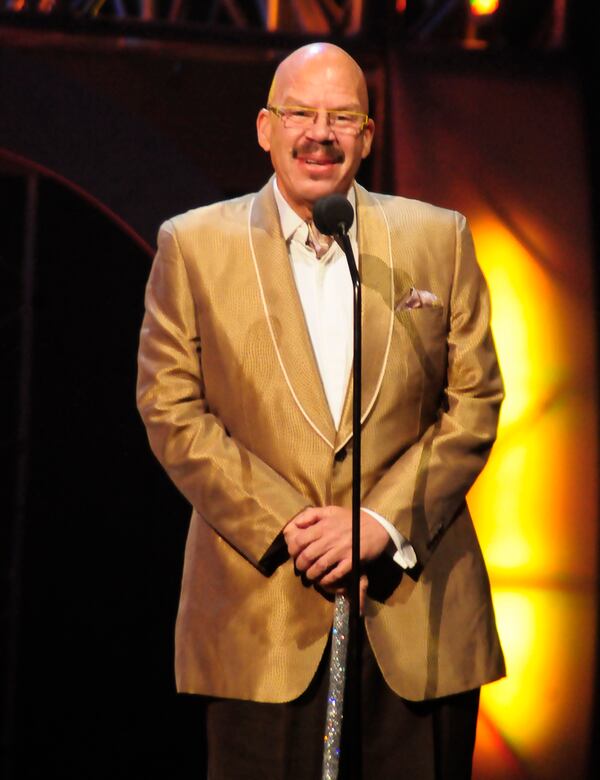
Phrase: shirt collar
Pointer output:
(290, 221)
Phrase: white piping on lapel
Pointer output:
(390, 327)
(367, 411)
(272, 332)
(392, 313)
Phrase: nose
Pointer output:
(321, 129)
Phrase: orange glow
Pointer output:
(529, 490)
(273, 12)
(532, 708)
(484, 7)
(527, 328)
(400, 6)
(535, 507)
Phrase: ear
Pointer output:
(367, 134)
(263, 129)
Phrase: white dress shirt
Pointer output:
(325, 290)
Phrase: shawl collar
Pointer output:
(284, 314)
(377, 282)
(285, 317)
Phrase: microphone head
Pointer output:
(333, 215)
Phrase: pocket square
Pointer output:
(418, 299)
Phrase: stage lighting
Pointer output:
(483, 7)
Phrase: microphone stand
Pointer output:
(344, 695)
(353, 684)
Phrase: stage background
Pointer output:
(100, 140)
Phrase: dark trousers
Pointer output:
(430, 740)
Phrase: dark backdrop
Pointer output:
(103, 530)
(101, 142)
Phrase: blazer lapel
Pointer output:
(284, 314)
(377, 282)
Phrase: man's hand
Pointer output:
(339, 588)
(319, 539)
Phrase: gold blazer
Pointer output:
(232, 399)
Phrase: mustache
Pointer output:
(327, 150)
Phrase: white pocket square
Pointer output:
(418, 299)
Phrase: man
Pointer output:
(245, 389)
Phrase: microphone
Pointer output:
(333, 215)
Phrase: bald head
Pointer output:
(315, 158)
(324, 62)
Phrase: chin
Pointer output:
(320, 189)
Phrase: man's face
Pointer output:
(315, 161)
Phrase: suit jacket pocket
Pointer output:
(424, 332)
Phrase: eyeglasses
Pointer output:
(301, 117)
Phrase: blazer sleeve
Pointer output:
(425, 488)
(238, 494)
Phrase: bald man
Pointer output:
(245, 388)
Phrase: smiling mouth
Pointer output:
(325, 155)
(308, 161)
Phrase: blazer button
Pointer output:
(340, 455)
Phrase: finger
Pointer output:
(320, 567)
(311, 554)
(324, 540)
(299, 539)
(294, 544)
(291, 540)
(337, 573)
(307, 517)
(302, 519)
(362, 592)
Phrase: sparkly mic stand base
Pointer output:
(333, 215)
(337, 681)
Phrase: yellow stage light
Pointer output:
(535, 507)
(483, 7)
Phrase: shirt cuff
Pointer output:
(405, 555)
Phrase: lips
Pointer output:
(317, 155)
(311, 161)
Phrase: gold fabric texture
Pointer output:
(235, 411)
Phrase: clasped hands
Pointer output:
(319, 540)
